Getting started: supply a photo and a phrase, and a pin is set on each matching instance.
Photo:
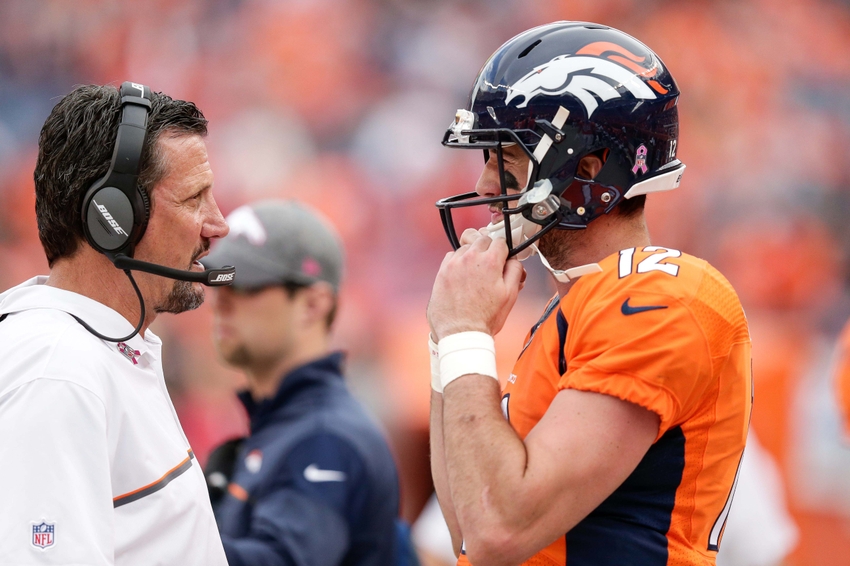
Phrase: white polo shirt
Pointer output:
(94, 466)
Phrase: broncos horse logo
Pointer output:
(598, 70)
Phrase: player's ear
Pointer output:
(590, 165)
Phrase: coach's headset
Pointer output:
(116, 208)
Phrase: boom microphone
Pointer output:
(209, 277)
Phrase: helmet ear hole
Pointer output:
(590, 165)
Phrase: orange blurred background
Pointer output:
(342, 104)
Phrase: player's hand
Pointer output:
(471, 234)
(475, 288)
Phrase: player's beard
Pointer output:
(557, 246)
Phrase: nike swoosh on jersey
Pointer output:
(313, 473)
(627, 309)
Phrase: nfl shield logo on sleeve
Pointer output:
(42, 535)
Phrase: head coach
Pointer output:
(96, 468)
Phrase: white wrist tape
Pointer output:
(466, 353)
(436, 384)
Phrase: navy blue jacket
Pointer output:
(314, 483)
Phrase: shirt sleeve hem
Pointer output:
(626, 387)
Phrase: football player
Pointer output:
(618, 436)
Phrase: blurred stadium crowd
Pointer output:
(342, 104)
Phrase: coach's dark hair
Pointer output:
(75, 149)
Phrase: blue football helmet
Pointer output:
(560, 92)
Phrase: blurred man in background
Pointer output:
(96, 468)
(620, 431)
(315, 482)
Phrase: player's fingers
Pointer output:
(461, 250)
(497, 233)
(470, 235)
(499, 248)
(480, 244)
(514, 274)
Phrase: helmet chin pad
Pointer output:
(521, 231)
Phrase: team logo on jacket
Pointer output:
(315, 474)
(599, 71)
(42, 534)
(254, 461)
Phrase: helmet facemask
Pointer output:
(519, 233)
(543, 203)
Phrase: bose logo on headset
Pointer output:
(223, 277)
(108, 217)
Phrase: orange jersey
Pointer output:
(843, 377)
(666, 331)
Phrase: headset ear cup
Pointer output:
(107, 216)
(143, 214)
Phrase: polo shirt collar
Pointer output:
(35, 294)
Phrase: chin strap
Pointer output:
(519, 234)
(567, 275)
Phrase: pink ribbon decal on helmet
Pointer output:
(640, 160)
